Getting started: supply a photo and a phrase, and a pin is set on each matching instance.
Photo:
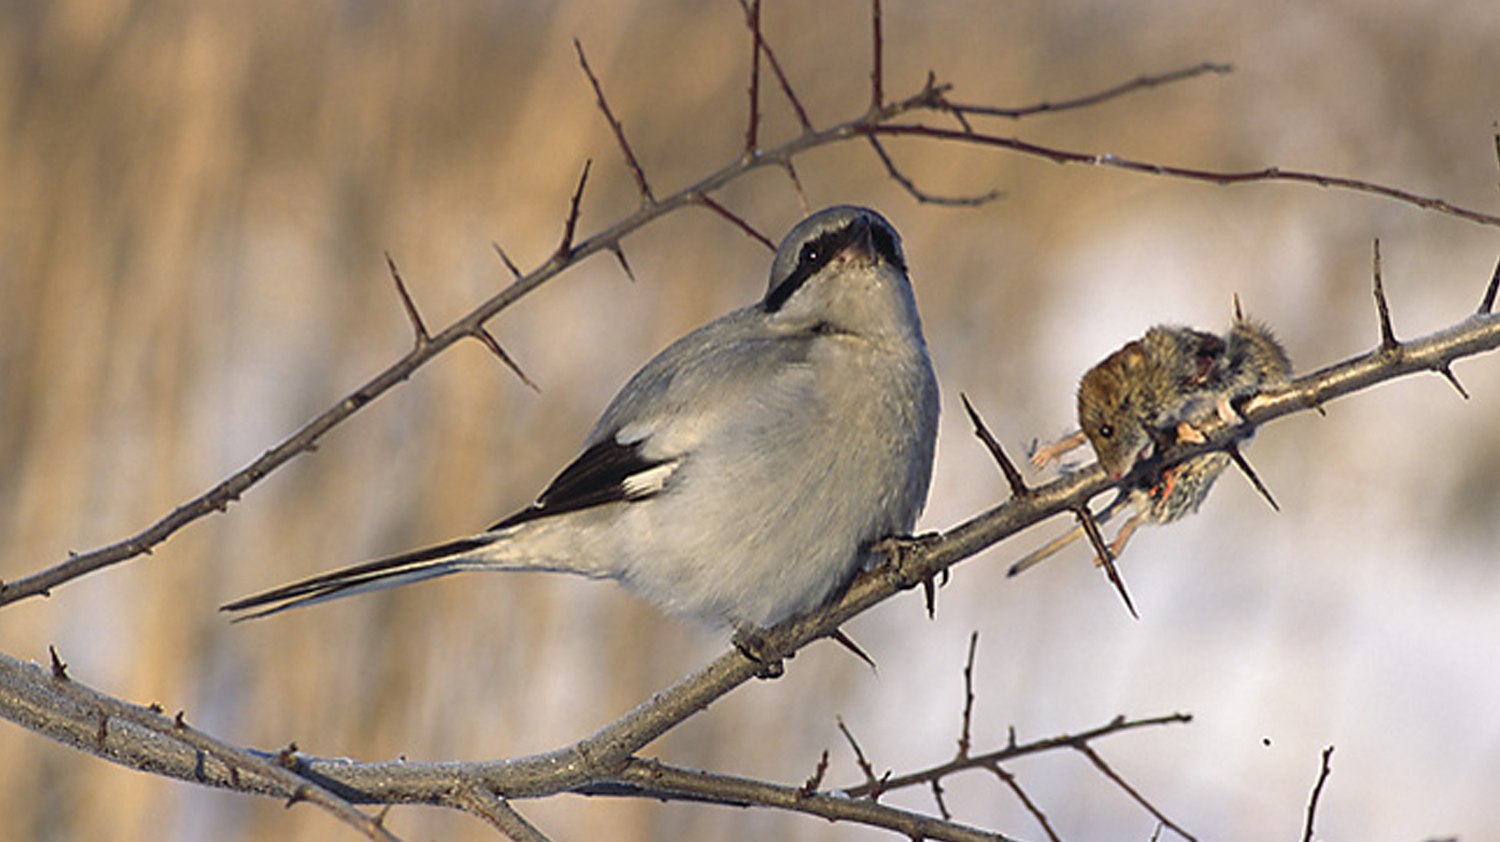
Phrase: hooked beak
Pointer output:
(860, 247)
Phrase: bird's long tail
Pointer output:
(414, 566)
(1054, 546)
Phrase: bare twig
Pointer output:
(1317, 792)
(1220, 177)
(1014, 749)
(940, 801)
(923, 196)
(965, 739)
(781, 79)
(1104, 769)
(752, 130)
(877, 61)
(1137, 84)
(615, 126)
(1031, 806)
(873, 786)
(815, 780)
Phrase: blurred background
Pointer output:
(195, 202)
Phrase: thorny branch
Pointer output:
(69, 714)
(63, 709)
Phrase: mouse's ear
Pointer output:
(1133, 356)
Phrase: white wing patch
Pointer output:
(648, 482)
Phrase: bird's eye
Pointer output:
(810, 254)
(1106, 430)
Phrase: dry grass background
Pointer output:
(195, 201)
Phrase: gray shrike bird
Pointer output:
(743, 476)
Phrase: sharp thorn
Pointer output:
(1244, 465)
(1106, 558)
(1012, 475)
(847, 642)
(420, 329)
(505, 258)
(1487, 304)
(489, 341)
(1452, 378)
(1388, 341)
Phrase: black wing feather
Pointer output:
(596, 477)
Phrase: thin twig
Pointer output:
(1317, 792)
(1031, 806)
(965, 739)
(1104, 769)
(1137, 84)
(752, 130)
(815, 780)
(1220, 177)
(615, 126)
(1014, 749)
(873, 786)
(923, 196)
(877, 62)
(937, 798)
(781, 79)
